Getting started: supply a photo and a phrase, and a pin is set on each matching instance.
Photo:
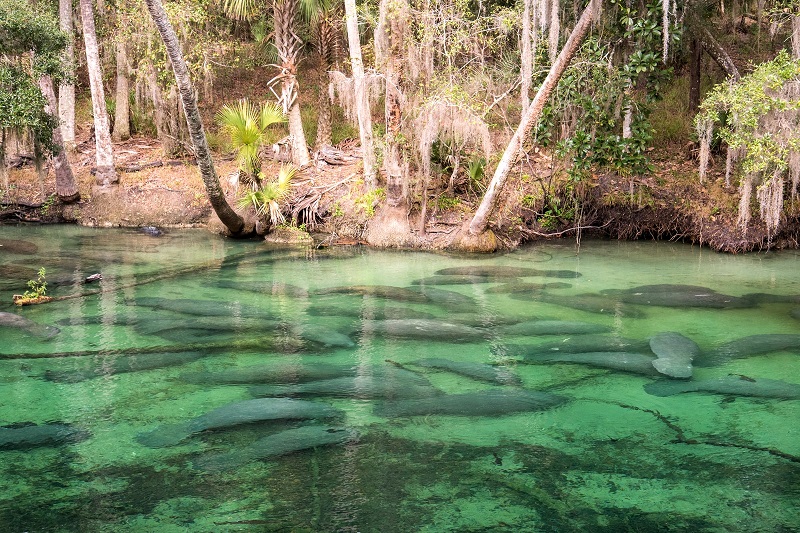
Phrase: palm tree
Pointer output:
(247, 127)
(288, 47)
(266, 199)
(216, 197)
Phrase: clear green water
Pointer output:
(611, 458)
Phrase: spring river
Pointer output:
(213, 385)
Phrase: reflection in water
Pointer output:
(636, 386)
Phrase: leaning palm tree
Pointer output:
(247, 126)
(216, 197)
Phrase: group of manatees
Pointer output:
(291, 393)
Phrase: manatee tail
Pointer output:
(165, 436)
(667, 388)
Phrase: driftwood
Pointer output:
(334, 156)
(154, 164)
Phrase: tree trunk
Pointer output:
(694, 76)
(104, 155)
(481, 219)
(710, 44)
(526, 59)
(389, 38)
(325, 37)
(66, 188)
(363, 111)
(66, 90)
(796, 36)
(216, 197)
(287, 45)
(122, 122)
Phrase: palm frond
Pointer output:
(241, 9)
(271, 113)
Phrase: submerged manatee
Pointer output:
(479, 371)
(731, 385)
(21, 437)
(459, 280)
(235, 414)
(554, 327)
(591, 303)
(675, 354)
(519, 287)
(278, 373)
(16, 246)
(282, 443)
(481, 403)
(400, 294)
(20, 323)
(448, 299)
(747, 346)
(669, 295)
(386, 383)
(123, 364)
(506, 272)
(434, 330)
(577, 344)
(637, 363)
(275, 288)
(387, 312)
(188, 306)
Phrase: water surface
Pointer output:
(184, 326)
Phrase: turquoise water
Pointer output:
(137, 391)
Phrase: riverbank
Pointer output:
(331, 202)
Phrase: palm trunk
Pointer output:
(480, 221)
(216, 197)
(325, 37)
(288, 46)
(66, 188)
(66, 90)
(363, 111)
(796, 36)
(104, 155)
(122, 122)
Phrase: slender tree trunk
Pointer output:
(694, 76)
(66, 90)
(363, 111)
(122, 116)
(66, 188)
(288, 46)
(481, 219)
(325, 37)
(389, 38)
(216, 197)
(3, 169)
(106, 174)
(526, 56)
(796, 36)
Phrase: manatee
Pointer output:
(483, 320)
(230, 324)
(479, 371)
(506, 272)
(282, 443)
(434, 330)
(388, 383)
(554, 327)
(188, 306)
(520, 287)
(637, 363)
(321, 336)
(577, 344)
(123, 364)
(461, 280)
(400, 294)
(482, 403)
(26, 325)
(707, 299)
(795, 313)
(668, 288)
(445, 298)
(731, 385)
(675, 354)
(275, 373)
(375, 313)
(275, 288)
(766, 298)
(152, 231)
(17, 246)
(23, 436)
(236, 414)
(591, 303)
(747, 346)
